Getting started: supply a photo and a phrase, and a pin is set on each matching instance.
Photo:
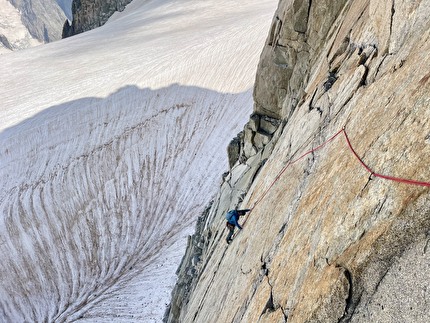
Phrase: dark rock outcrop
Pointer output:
(234, 148)
(90, 14)
(189, 268)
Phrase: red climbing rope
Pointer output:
(291, 163)
(391, 178)
(320, 146)
(372, 173)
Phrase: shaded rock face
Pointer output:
(292, 49)
(326, 242)
(90, 14)
(258, 132)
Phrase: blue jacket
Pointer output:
(233, 216)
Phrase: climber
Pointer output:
(232, 217)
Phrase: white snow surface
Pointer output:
(112, 142)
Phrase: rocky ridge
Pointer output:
(88, 15)
(328, 242)
(42, 18)
(25, 23)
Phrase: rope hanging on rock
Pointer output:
(372, 173)
(390, 178)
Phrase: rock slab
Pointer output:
(325, 241)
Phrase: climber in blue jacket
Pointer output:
(232, 217)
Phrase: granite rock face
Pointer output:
(90, 14)
(326, 241)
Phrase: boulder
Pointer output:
(233, 150)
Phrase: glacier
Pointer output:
(112, 142)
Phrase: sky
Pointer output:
(112, 142)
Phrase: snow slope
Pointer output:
(111, 144)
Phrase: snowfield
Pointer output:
(112, 143)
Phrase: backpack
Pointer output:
(230, 214)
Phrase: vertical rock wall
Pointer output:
(291, 50)
(90, 14)
(326, 241)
